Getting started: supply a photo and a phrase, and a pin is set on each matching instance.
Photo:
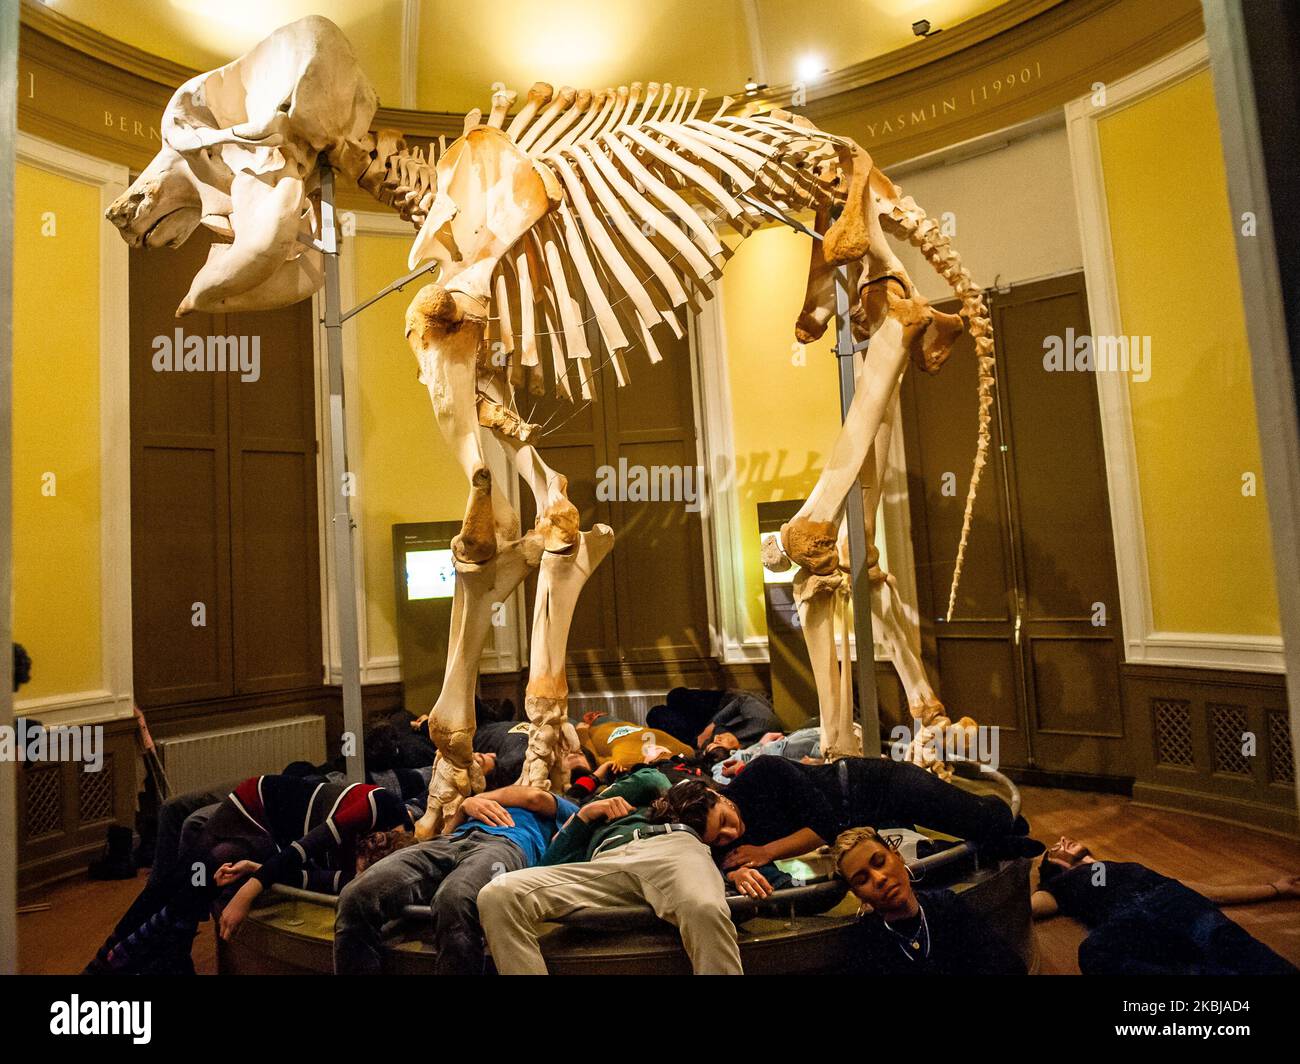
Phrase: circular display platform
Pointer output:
(295, 934)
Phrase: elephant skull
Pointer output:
(239, 156)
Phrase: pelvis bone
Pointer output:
(239, 155)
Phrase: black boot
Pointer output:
(117, 861)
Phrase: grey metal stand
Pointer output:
(341, 524)
(863, 636)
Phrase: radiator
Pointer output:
(203, 760)
(625, 705)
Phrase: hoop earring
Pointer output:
(911, 874)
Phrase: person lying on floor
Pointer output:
(624, 743)
(695, 716)
(901, 931)
(631, 846)
(803, 744)
(494, 832)
(269, 829)
(1143, 923)
(786, 808)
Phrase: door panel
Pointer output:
(179, 551)
(981, 680)
(223, 498)
(1060, 526)
(979, 674)
(180, 511)
(275, 565)
(1040, 566)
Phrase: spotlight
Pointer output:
(752, 87)
(811, 67)
(921, 27)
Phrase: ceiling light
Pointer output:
(811, 67)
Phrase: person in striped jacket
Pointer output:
(269, 829)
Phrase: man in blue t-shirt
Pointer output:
(493, 833)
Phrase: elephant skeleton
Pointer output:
(612, 200)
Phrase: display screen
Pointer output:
(430, 574)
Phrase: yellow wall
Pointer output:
(407, 472)
(56, 539)
(785, 411)
(1209, 552)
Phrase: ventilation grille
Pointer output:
(1228, 727)
(44, 805)
(1173, 730)
(95, 793)
(209, 759)
(1281, 758)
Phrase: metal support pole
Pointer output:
(868, 704)
(341, 525)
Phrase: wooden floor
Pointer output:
(82, 913)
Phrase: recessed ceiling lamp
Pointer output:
(811, 67)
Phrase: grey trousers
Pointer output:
(446, 872)
(673, 873)
(181, 821)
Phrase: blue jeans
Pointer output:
(444, 872)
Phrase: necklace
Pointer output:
(917, 945)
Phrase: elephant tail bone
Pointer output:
(910, 222)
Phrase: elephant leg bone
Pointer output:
(821, 601)
(445, 330)
(479, 589)
(570, 557)
(546, 698)
(898, 321)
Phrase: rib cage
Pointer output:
(646, 185)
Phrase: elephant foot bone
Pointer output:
(548, 715)
(456, 775)
(560, 582)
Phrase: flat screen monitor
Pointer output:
(430, 574)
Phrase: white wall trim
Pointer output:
(115, 698)
(1144, 644)
(410, 72)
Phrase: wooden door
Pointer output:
(647, 601)
(1035, 642)
(224, 537)
(182, 630)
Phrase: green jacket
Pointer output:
(578, 840)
